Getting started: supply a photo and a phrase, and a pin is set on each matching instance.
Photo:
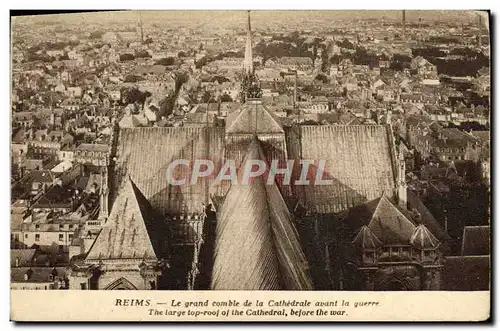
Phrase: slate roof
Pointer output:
(253, 117)
(366, 239)
(93, 147)
(422, 238)
(483, 135)
(129, 232)
(25, 257)
(145, 154)
(149, 69)
(476, 240)
(390, 225)
(39, 274)
(358, 159)
(41, 176)
(257, 246)
(380, 222)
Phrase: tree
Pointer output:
(127, 57)
(322, 78)
(335, 59)
(167, 106)
(180, 79)
(203, 61)
(226, 98)
(96, 35)
(142, 54)
(345, 44)
(168, 61)
(133, 79)
(219, 79)
(64, 56)
(135, 95)
(206, 97)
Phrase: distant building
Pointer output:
(94, 154)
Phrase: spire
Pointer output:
(249, 26)
(248, 64)
(424, 239)
(402, 186)
(103, 196)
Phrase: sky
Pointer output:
(213, 17)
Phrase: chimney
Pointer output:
(479, 36)
(404, 24)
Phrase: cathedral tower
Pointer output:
(248, 64)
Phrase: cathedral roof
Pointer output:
(253, 117)
(130, 231)
(257, 246)
(359, 161)
(145, 154)
(390, 225)
(384, 220)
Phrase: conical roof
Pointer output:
(257, 246)
(366, 239)
(422, 238)
(125, 234)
